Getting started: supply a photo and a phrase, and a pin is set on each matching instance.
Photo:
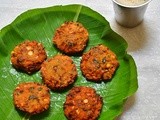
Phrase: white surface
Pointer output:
(143, 41)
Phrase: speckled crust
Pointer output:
(82, 103)
(71, 37)
(28, 56)
(99, 63)
(59, 72)
(31, 97)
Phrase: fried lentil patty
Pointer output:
(58, 72)
(71, 37)
(99, 63)
(28, 56)
(31, 97)
(82, 103)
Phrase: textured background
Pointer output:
(143, 41)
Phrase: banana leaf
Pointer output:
(40, 24)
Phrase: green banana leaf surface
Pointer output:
(40, 24)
